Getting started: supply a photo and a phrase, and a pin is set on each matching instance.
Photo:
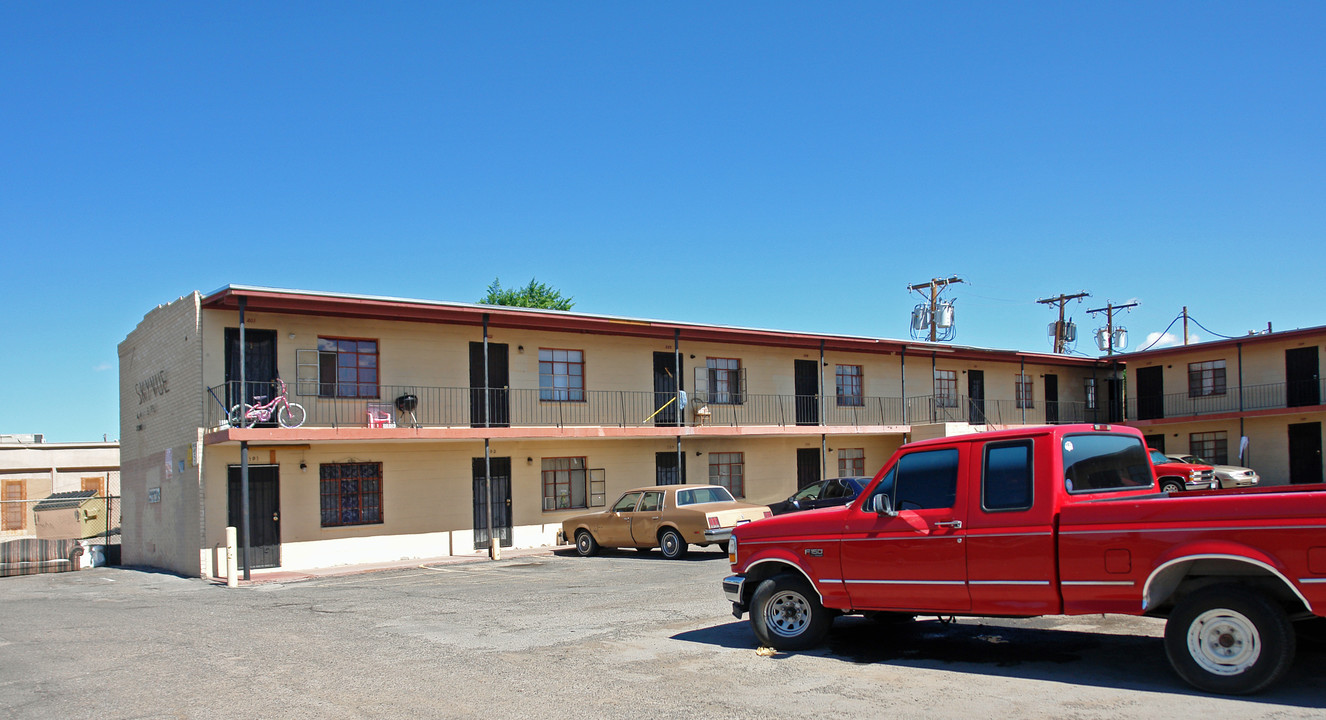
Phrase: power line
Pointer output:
(1161, 336)
(1213, 332)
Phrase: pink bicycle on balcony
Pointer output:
(288, 414)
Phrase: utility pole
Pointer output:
(1185, 324)
(1109, 320)
(1059, 327)
(935, 286)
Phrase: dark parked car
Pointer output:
(825, 493)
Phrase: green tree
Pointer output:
(534, 295)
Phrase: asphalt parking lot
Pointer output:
(623, 635)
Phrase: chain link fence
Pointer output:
(61, 532)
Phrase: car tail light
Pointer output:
(768, 513)
(713, 521)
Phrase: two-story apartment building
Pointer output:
(1204, 399)
(410, 404)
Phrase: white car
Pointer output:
(1229, 475)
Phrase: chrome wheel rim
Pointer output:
(670, 544)
(1224, 642)
(787, 614)
(582, 543)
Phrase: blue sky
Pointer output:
(781, 165)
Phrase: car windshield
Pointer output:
(703, 495)
(1103, 461)
(1159, 458)
(810, 492)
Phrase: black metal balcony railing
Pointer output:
(1271, 396)
(933, 409)
(418, 406)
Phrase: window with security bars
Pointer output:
(561, 375)
(1089, 388)
(849, 386)
(351, 493)
(1022, 387)
(564, 483)
(1206, 378)
(724, 380)
(946, 388)
(1210, 446)
(728, 470)
(851, 462)
(15, 513)
(347, 367)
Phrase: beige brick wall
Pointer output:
(177, 352)
(160, 413)
(1263, 363)
(428, 489)
(438, 356)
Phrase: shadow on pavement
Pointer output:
(1068, 656)
(694, 555)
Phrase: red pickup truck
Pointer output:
(1062, 520)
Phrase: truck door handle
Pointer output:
(955, 524)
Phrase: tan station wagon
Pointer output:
(669, 517)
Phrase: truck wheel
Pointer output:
(672, 544)
(1230, 640)
(586, 545)
(786, 614)
(1171, 486)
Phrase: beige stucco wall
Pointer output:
(160, 416)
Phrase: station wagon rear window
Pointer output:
(703, 495)
(1102, 462)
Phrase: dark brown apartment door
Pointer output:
(1305, 453)
(264, 513)
(808, 466)
(807, 388)
(497, 395)
(1150, 393)
(976, 397)
(665, 390)
(1051, 398)
(501, 472)
(1302, 377)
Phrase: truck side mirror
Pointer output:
(881, 505)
